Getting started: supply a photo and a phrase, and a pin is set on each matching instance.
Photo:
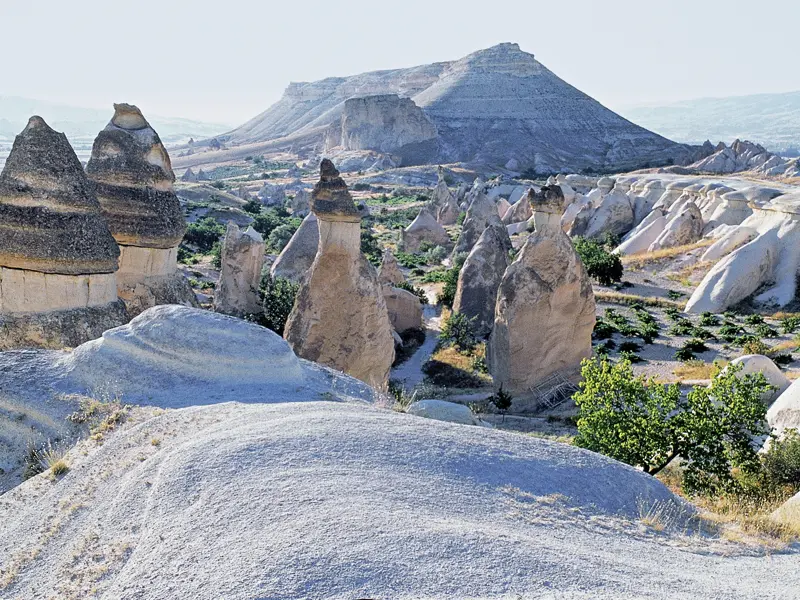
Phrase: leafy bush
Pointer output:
(684, 354)
(709, 319)
(369, 245)
(252, 206)
(204, 233)
(220, 185)
(675, 295)
(730, 331)
(418, 292)
(672, 313)
(216, 255)
(448, 293)
(682, 327)
(434, 276)
(790, 324)
(782, 359)
(600, 264)
(409, 260)
(460, 218)
(268, 220)
(782, 460)
(765, 331)
(603, 330)
(278, 297)
(435, 255)
(695, 345)
(629, 347)
(281, 235)
(754, 319)
(754, 346)
(630, 356)
(459, 331)
(648, 332)
(502, 401)
(647, 424)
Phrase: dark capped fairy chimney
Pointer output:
(339, 318)
(132, 177)
(58, 260)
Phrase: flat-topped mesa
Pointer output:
(132, 176)
(330, 198)
(339, 318)
(57, 257)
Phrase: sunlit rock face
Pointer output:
(58, 260)
(386, 123)
(132, 176)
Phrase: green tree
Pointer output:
(601, 264)
(252, 206)
(204, 233)
(648, 424)
(278, 294)
(459, 331)
(281, 235)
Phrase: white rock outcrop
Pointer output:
(389, 272)
(240, 276)
(545, 310)
(424, 229)
(756, 363)
(296, 258)
(440, 410)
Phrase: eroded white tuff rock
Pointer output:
(339, 317)
(746, 156)
(295, 260)
(481, 214)
(757, 363)
(300, 204)
(545, 310)
(520, 210)
(476, 293)
(272, 194)
(389, 272)
(424, 229)
(58, 260)
(784, 414)
(684, 227)
(404, 308)
(612, 212)
(131, 173)
(240, 275)
(385, 123)
(443, 202)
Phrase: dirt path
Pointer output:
(410, 372)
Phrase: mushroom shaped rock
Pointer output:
(131, 174)
(58, 260)
(544, 317)
(339, 318)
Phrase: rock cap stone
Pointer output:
(330, 199)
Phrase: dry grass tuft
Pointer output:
(618, 298)
(643, 258)
(58, 468)
(697, 369)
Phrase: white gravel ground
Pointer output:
(338, 500)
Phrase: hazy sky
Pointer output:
(227, 60)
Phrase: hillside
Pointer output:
(772, 120)
(496, 107)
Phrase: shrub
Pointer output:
(790, 324)
(265, 222)
(460, 218)
(448, 293)
(409, 260)
(502, 401)
(418, 292)
(782, 359)
(684, 354)
(753, 345)
(782, 461)
(604, 267)
(252, 206)
(682, 327)
(459, 331)
(603, 330)
(708, 319)
(648, 332)
(754, 319)
(220, 185)
(647, 424)
(730, 331)
(672, 313)
(695, 345)
(630, 356)
(629, 347)
(278, 298)
(435, 255)
(204, 233)
(216, 255)
(281, 235)
(674, 295)
(434, 276)
(369, 245)
(765, 331)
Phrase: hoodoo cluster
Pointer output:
(82, 252)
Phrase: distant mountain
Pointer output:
(772, 120)
(496, 107)
(81, 125)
